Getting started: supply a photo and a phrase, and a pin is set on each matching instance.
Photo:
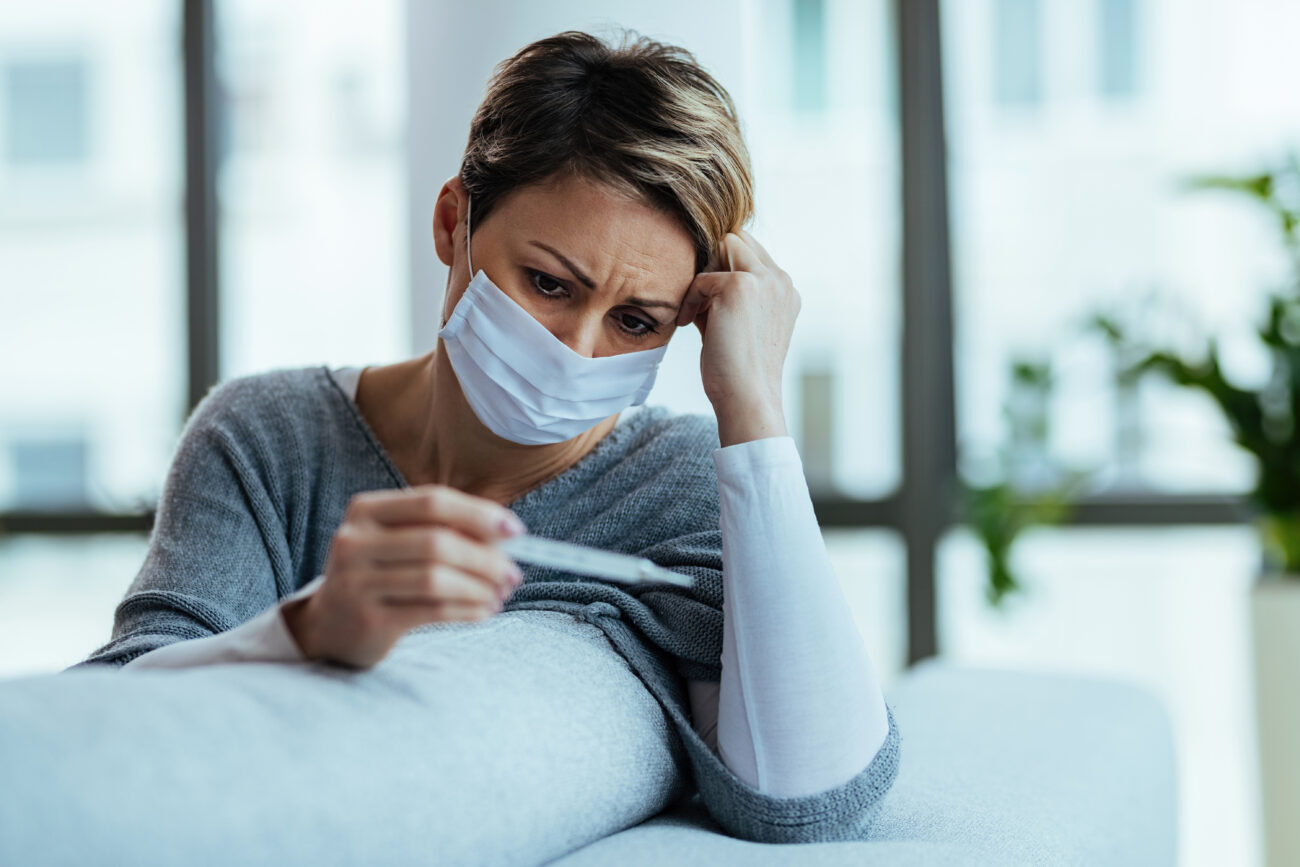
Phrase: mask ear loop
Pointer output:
(469, 213)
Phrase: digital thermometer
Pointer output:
(583, 560)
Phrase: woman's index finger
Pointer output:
(719, 259)
(752, 243)
(439, 504)
(743, 256)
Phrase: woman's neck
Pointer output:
(421, 417)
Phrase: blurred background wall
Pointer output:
(1071, 127)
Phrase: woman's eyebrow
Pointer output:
(583, 278)
(591, 284)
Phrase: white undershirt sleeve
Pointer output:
(265, 638)
(799, 708)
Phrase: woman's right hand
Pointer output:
(402, 558)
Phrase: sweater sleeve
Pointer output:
(265, 638)
(218, 554)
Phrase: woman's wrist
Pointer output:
(295, 614)
(742, 421)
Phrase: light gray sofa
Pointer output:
(996, 767)
(284, 765)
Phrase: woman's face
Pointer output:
(604, 274)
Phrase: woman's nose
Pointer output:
(582, 335)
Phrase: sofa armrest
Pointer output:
(996, 766)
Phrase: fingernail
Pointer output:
(512, 526)
(516, 575)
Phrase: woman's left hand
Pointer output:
(746, 317)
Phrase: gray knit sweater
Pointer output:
(267, 464)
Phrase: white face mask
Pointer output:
(524, 383)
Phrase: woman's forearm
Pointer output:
(800, 706)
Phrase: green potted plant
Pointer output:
(1021, 486)
(1265, 421)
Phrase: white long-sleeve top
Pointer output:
(798, 709)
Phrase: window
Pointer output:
(871, 565)
(809, 65)
(47, 111)
(1117, 37)
(92, 395)
(1018, 52)
(312, 184)
(50, 471)
(1083, 212)
(826, 193)
(57, 596)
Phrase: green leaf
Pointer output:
(1260, 186)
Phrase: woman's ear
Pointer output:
(448, 217)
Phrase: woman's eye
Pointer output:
(635, 326)
(545, 283)
(548, 287)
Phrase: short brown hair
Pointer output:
(641, 117)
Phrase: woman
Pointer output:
(319, 516)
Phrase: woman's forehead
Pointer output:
(607, 234)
